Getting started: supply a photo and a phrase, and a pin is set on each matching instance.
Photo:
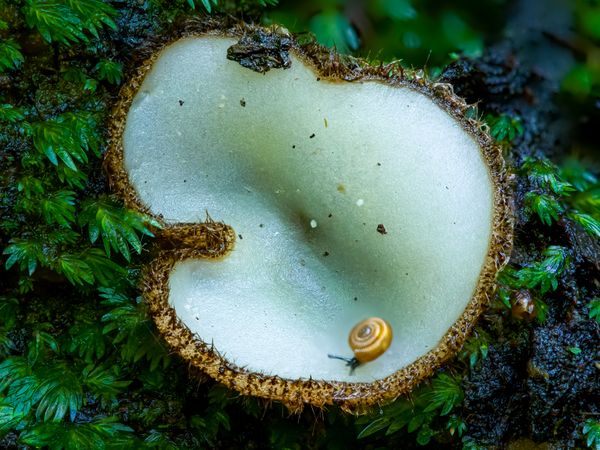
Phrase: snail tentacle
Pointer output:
(353, 363)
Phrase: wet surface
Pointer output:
(262, 51)
(532, 384)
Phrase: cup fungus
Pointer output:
(350, 191)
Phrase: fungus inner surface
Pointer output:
(349, 199)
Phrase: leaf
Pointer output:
(87, 341)
(102, 433)
(87, 266)
(74, 268)
(9, 307)
(591, 431)
(54, 20)
(545, 206)
(156, 439)
(207, 5)
(25, 252)
(424, 435)
(54, 139)
(446, 393)
(544, 174)
(10, 57)
(110, 71)
(9, 418)
(333, 29)
(373, 427)
(577, 174)
(74, 178)
(542, 310)
(30, 186)
(457, 425)
(94, 14)
(589, 223)
(16, 377)
(504, 128)
(44, 434)
(399, 9)
(129, 324)
(588, 201)
(60, 393)
(118, 227)
(578, 81)
(105, 271)
(59, 207)
(84, 129)
(470, 444)
(594, 308)
(10, 113)
(103, 383)
(12, 369)
(545, 273)
(6, 343)
(412, 414)
(41, 340)
(65, 21)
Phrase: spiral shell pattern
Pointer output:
(370, 338)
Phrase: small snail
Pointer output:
(368, 340)
(523, 306)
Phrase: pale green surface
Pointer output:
(276, 304)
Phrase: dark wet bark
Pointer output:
(531, 385)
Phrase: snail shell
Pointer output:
(370, 338)
(523, 306)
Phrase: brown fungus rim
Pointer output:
(211, 239)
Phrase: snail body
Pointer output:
(368, 340)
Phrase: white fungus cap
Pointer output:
(275, 154)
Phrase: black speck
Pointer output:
(453, 223)
(197, 318)
(311, 136)
(318, 78)
(185, 181)
(379, 164)
(447, 188)
(365, 223)
(355, 298)
(261, 225)
(325, 253)
(145, 181)
(242, 103)
(293, 146)
(381, 229)
(240, 236)
(181, 102)
(330, 215)
(406, 273)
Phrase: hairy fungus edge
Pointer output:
(213, 239)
